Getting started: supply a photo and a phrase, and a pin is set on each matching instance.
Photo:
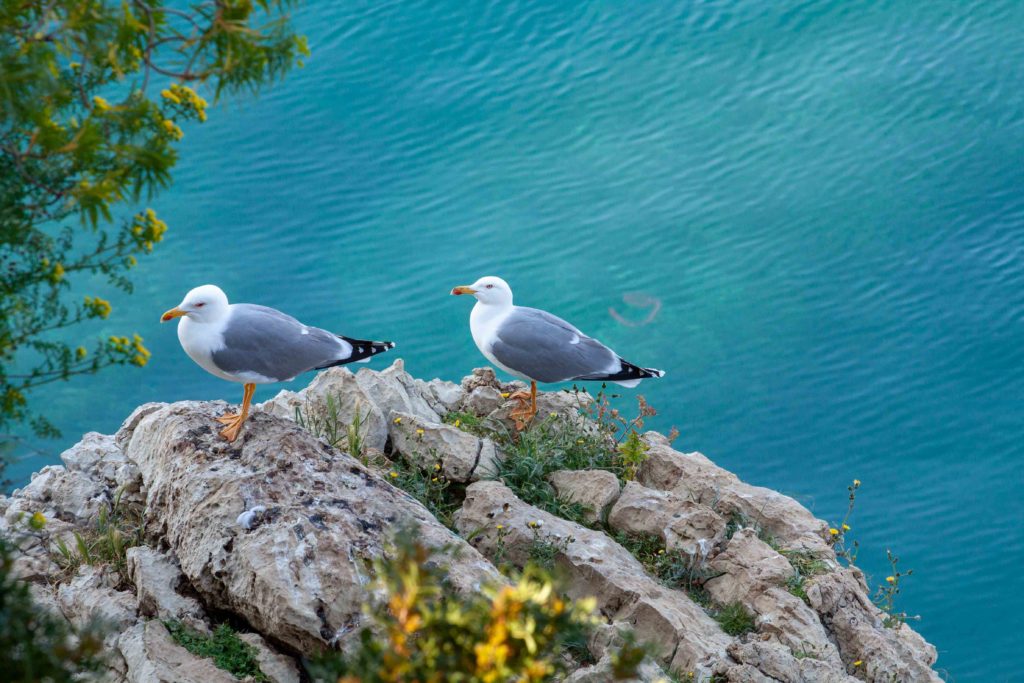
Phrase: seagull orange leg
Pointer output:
(527, 407)
(234, 421)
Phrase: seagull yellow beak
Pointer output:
(172, 314)
(463, 289)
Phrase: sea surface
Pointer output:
(811, 214)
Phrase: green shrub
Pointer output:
(423, 631)
(36, 646)
(224, 647)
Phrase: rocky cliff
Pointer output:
(277, 532)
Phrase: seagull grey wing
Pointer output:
(546, 348)
(266, 342)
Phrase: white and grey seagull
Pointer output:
(254, 345)
(540, 347)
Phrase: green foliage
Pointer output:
(118, 526)
(734, 619)
(324, 421)
(224, 647)
(83, 139)
(885, 596)
(430, 487)
(552, 444)
(672, 567)
(35, 645)
(423, 631)
(633, 453)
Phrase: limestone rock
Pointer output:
(443, 396)
(277, 667)
(463, 457)
(299, 576)
(594, 489)
(483, 400)
(601, 672)
(696, 478)
(152, 656)
(89, 597)
(481, 377)
(683, 524)
(348, 397)
(766, 661)
(857, 627)
(157, 580)
(752, 573)
(682, 634)
(394, 390)
(65, 495)
(747, 566)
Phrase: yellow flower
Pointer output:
(38, 520)
(458, 422)
(437, 466)
(661, 552)
(500, 527)
(419, 432)
(846, 527)
(504, 394)
(890, 579)
(856, 483)
(434, 480)
(834, 531)
(858, 662)
(393, 474)
(398, 420)
(58, 272)
(100, 103)
(98, 307)
(168, 95)
(81, 353)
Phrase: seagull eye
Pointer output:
(200, 304)
(490, 286)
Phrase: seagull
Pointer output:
(537, 346)
(257, 345)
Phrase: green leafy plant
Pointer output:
(885, 596)
(84, 138)
(430, 487)
(35, 645)
(843, 547)
(224, 647)
(734, 619)
(672, 567)
(423, 631)
(118, 526)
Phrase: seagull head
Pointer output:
(204, 304)
(490, 290)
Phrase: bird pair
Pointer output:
(255, 344)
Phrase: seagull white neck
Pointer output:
(484, 319)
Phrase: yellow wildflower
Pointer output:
(58, 272)
(81, 353)
(437, 466)
(100, 103)
(504, 394)
(398, 420)
(846, 527)
(856, 483)
(434, 480)
(38, 520)
(890, 579)
(419, 432)
(500, 527)
(458, 422)
(834, 531)
(168, 95)
(393, 474)
(859, 662)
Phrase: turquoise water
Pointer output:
(827, 200)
